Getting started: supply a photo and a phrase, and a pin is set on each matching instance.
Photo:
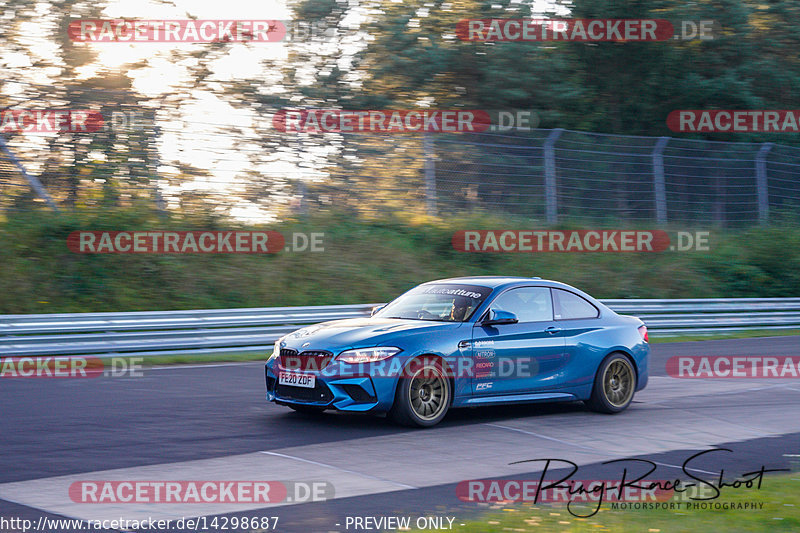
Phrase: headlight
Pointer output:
(276, 350)
(368, 355)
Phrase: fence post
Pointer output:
(300, 190)
(550, 187)
(430, 173)
(762, 192)
(32, 180)
(658, 180)
(155, 179)
(302, 206)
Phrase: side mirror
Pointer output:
(376, 309)
(499, 317)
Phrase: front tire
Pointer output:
(614, 385)
(423, 399)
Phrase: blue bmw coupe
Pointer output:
(464, 342)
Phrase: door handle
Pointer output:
(463, 344)
(552, 330)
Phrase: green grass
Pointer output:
(780, 512)
(232, 357)
(363, 261)
(747, 334)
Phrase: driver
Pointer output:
(459, 310)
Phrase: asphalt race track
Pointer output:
(211, 422)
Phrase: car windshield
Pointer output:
(443, 302)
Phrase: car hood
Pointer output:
(361, 333)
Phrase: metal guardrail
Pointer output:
(712, 316)
(255, 329)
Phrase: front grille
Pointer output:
(319, 394)
(310, 360)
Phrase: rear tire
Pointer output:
(423, 399)
(614, 385)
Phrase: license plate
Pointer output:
(297, 380)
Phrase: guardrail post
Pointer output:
(550, 184)
(34, 182)
(658, 180)
(762, 191)
(430, 173)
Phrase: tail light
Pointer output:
(643, 333)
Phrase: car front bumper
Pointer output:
(334, 390)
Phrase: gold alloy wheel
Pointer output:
(428, 394)
(618, 382)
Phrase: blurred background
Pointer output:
(189, 143)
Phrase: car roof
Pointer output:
(495, 281)
(499, 283)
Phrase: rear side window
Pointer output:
(571, 306)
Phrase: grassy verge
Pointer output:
(362, 261)
(235, 357)
(748, 334)
(780, 512)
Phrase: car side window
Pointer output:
(571, 306)
(529, 304)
